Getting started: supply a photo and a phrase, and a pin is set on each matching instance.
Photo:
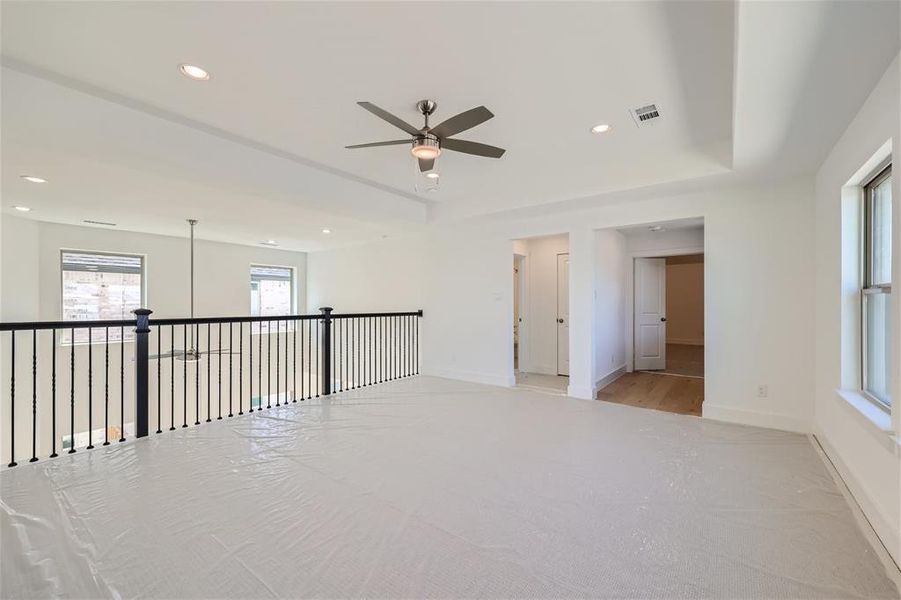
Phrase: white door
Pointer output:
(650, 313)
(563, 314)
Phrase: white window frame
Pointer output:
(292, 283)
(66, 333)
(867, 286)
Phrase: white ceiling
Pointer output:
(93, 101)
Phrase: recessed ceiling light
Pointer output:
(33, 179)
(22, 208)
(326, 231)
(432, 175)
(655, 228)
(194, 72)
(270, 243)
(600, 128)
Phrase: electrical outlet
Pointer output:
(762, 391)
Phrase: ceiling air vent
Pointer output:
(93, 222)
(645, 114)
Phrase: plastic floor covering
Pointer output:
(435, 488)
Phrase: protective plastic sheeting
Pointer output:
(435, 488)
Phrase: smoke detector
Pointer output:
(645, 115)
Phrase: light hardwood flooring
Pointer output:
(670, 393)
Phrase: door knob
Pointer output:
(663, 319)
(559, 320)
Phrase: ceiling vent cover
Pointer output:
(645, 115)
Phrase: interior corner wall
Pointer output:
(868, 459)
(609, 303)
(379, 276)
(758, 243)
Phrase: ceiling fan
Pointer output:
(428, 142)
(191, 353)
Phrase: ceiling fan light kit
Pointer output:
(428, 142)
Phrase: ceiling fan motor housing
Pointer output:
(426, 146)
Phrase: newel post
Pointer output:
(142, 334)
(326, 372)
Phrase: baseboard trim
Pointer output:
(686, 342)
(608, 379)
(874, 518)
(473, 377)
(752, 417)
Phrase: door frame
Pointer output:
(630, 293)
(524, 302)
(557, 327)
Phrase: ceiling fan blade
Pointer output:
(385, 115)
(462, 122)
(374, 144)
(476, 148)
(426, 164)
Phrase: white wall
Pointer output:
(685, 300)
(758, 244)
(867, 454)
(382, 276)
(610, 307)
(538, 345)
(30, 256)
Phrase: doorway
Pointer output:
(541, 312)
(668, 314)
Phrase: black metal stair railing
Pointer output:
(260, 363)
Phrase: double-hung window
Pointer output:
(876, 291)
(100, 286)
(271, 293)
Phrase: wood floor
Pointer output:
(670, 393)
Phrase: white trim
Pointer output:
(754, 418)
(473, 376)
(878, 521)
(874, 418)
(608, 379)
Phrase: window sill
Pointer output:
(876, 418)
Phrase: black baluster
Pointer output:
(277, 370)
(268, 364)
(416, 344)
(318, 370)
(34, 395)
(159, 380)
(219, 376)
(298, 323)
(260, 361)
(339, 327)
(53, 396)
(241, 368)
(90, 389)
(184, 383)
(172, 378)
(230, 376)
(287, 394)
(197, 355)
(250, 364)
(72, 393)
(209, 380)
(122, 384)
(12, 399)
(106, 387)
(371, 379)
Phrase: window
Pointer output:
(99, 285)
(271, 292)
(877, 287)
